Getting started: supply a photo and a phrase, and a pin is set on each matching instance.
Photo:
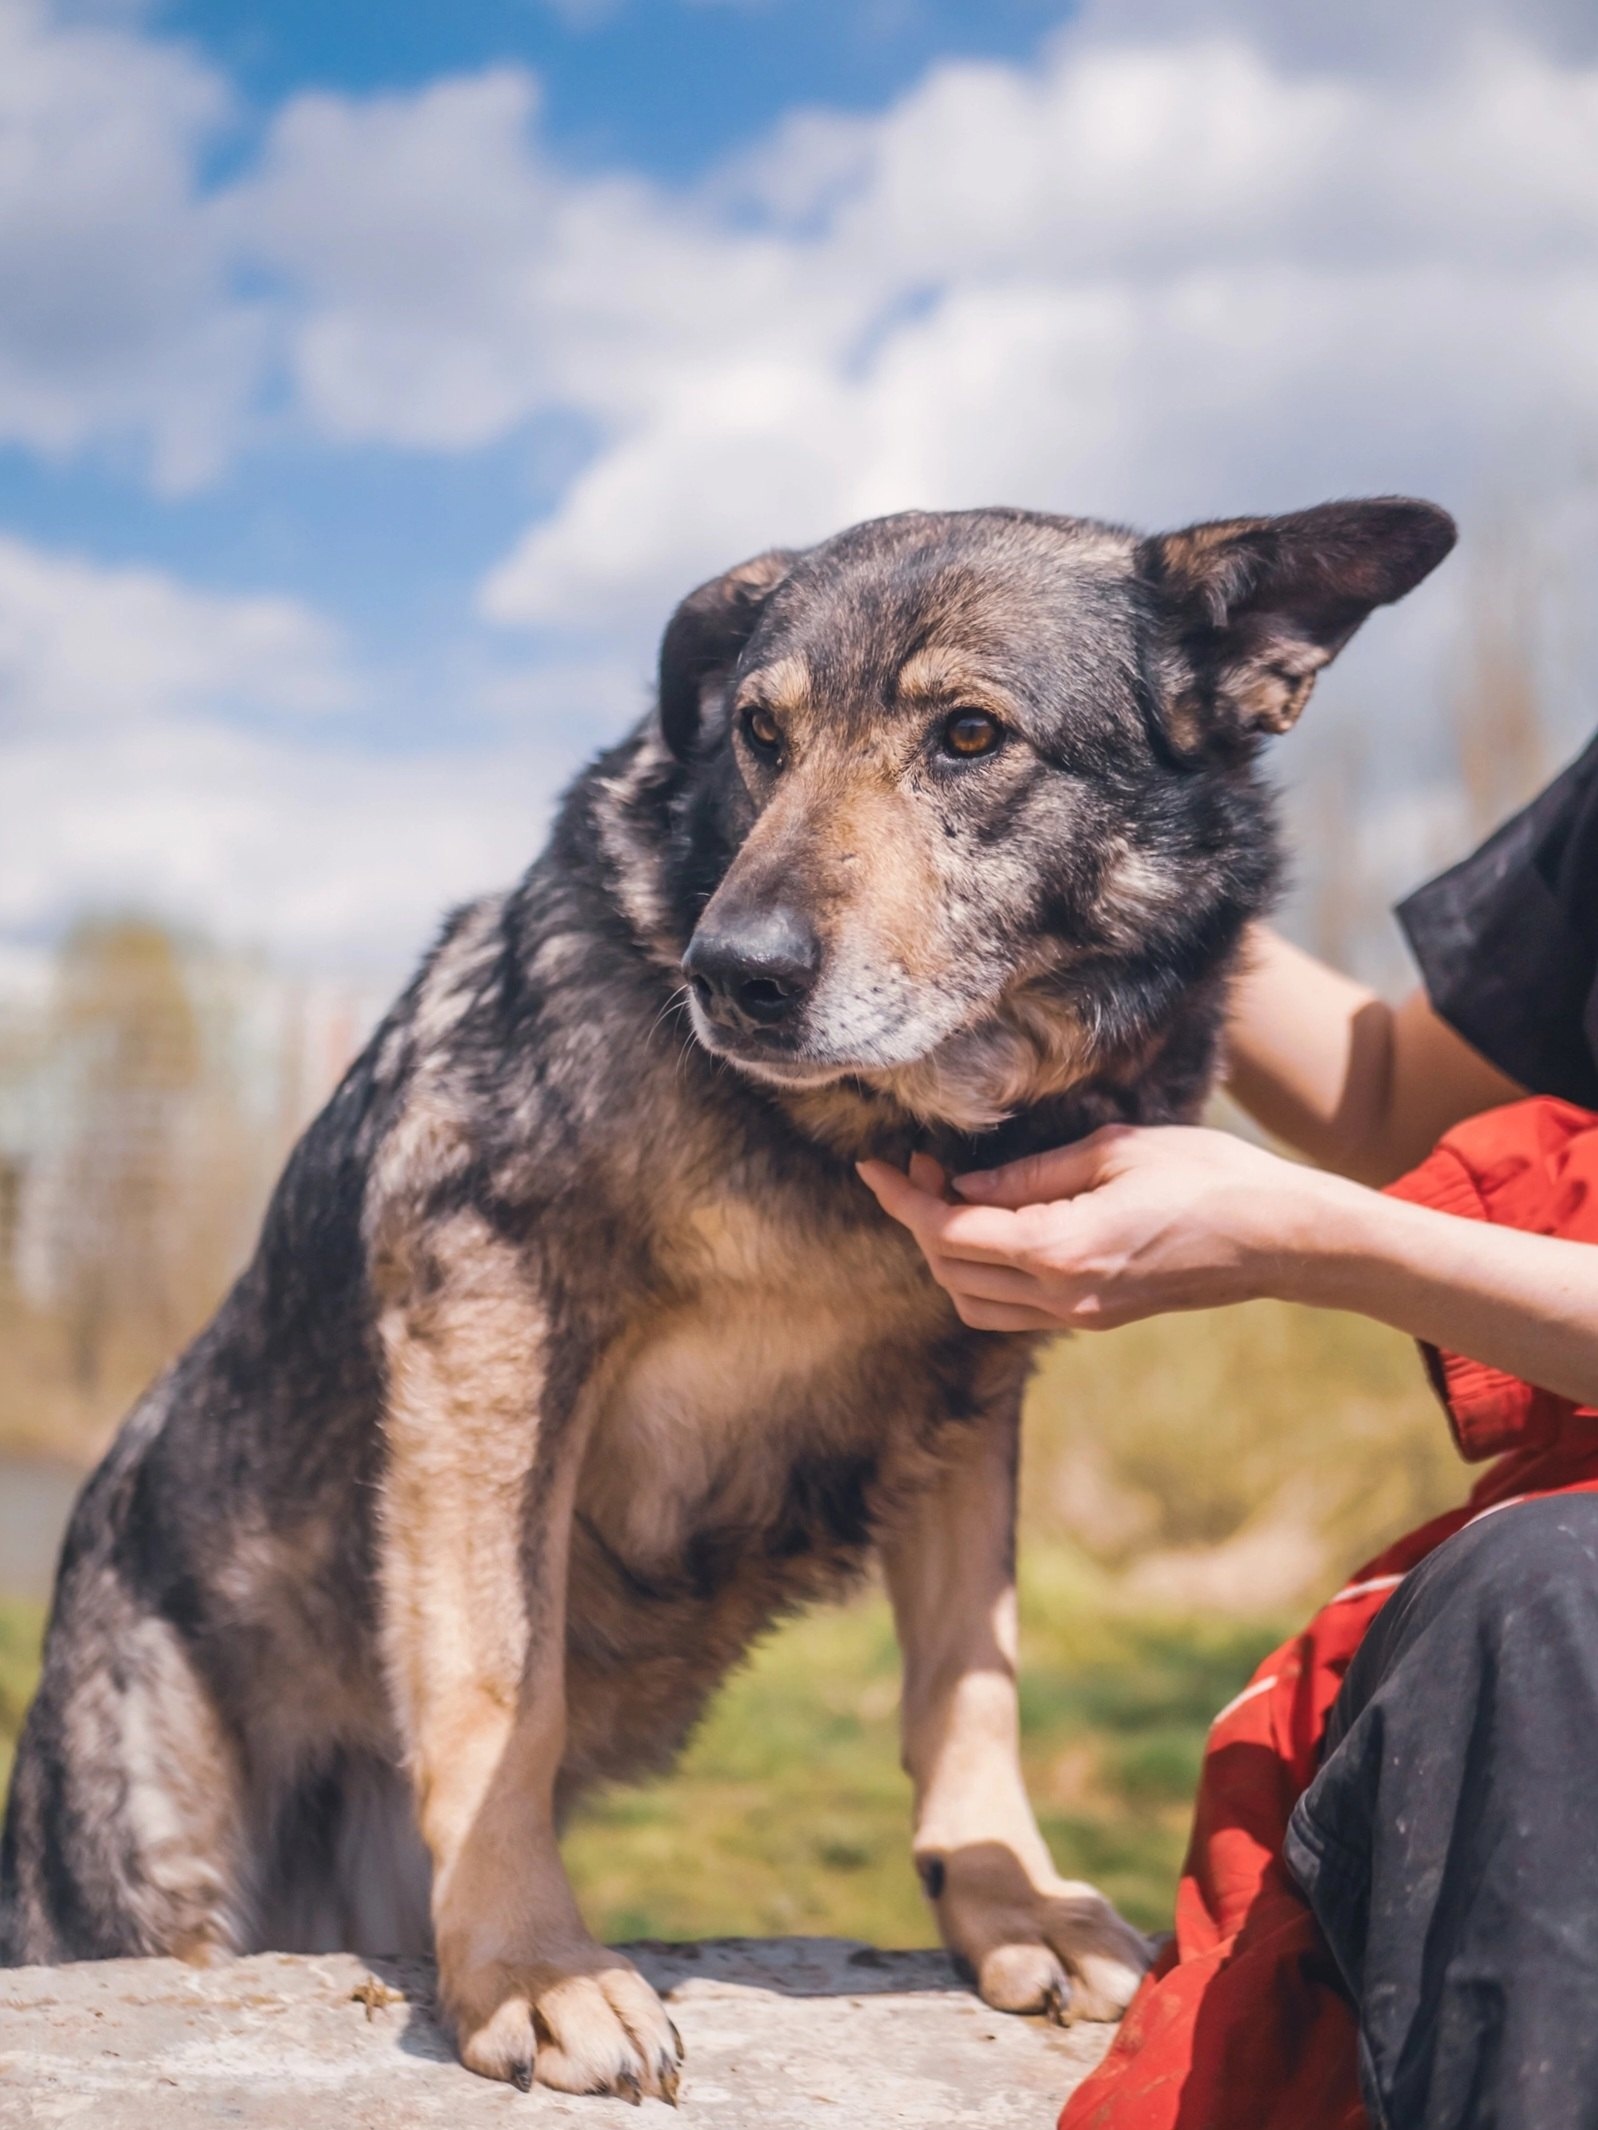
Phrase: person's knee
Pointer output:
(1534, 1561)
(1508, 1605)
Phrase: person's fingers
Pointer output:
(988, 1283)
(977, 1234)
(1004, 1316)
(1059, 1172)
(974, 1232)
(929, 1176)
(894, 1192)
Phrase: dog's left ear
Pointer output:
(1254, 607)
(703, 639)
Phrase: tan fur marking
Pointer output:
(784, 686)
(1271, 698)
(475, 1634)
(887, 911)
(1136, 891)
(447, 991)
(941, 674)
(1000, 1903)
(765, 1318)
(1029, 1049)
(464, 1368)
(303, 1697)
(631, 849)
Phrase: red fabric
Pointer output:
(1240, 2026)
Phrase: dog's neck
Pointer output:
(1023, 1079)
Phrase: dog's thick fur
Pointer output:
(574, 1352)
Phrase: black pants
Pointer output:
(1449, 1844)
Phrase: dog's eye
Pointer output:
(971, 732)
(762, 731)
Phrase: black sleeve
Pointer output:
(1507, 941)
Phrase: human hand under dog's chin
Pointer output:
(1128, 1223)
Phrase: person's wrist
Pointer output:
(1328, 1234)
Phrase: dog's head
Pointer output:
(959, 789)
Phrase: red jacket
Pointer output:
(1241, 2025)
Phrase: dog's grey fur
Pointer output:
(574, 1353)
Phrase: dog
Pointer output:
(574, 1353)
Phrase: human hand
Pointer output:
(1131, 1222)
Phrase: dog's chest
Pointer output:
(789, 1343)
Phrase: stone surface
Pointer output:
(778, 2033)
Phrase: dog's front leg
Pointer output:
(476, 1518)
(1034, 1941)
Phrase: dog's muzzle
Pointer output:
(752, 970)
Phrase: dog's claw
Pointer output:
(521, 2077)
(1056, 2005)
(669, 2078)
(631, 2091)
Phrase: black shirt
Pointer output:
(1507, 941)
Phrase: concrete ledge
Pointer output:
(778, 2033)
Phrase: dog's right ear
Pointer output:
(703, 639)
(1253, 608)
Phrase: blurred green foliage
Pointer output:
(1190, 1432)
(790, 1813)
(21, 1627)
(1177, 1442)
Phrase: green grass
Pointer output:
(789, 1811)
(21, 1629)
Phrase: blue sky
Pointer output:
(395, 541)
(666, 86)
(372, 380)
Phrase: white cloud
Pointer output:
(1220, 220)
(118, 325)
(1187, 261)
(1147, 280)
(1361, 36)
(1153, 276)
(412, 230)
(174, 750)
(448, 279)
(329, 857)
(1145, 276)
(85, 649)
(430, 276)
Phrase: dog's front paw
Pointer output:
(1034, 1943)
(585, 2023)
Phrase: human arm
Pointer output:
(1358, 1085)
(1131, 1223)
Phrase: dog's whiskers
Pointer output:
(674, 1004)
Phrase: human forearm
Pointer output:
(1526, 1304)
(1309, 1054)
(1136, 1223)
(1361, 1087)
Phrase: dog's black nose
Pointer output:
(755, 967)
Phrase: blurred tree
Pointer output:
(145, 1112)
(1497, 706)
(128, 1049)
(1346, 908)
